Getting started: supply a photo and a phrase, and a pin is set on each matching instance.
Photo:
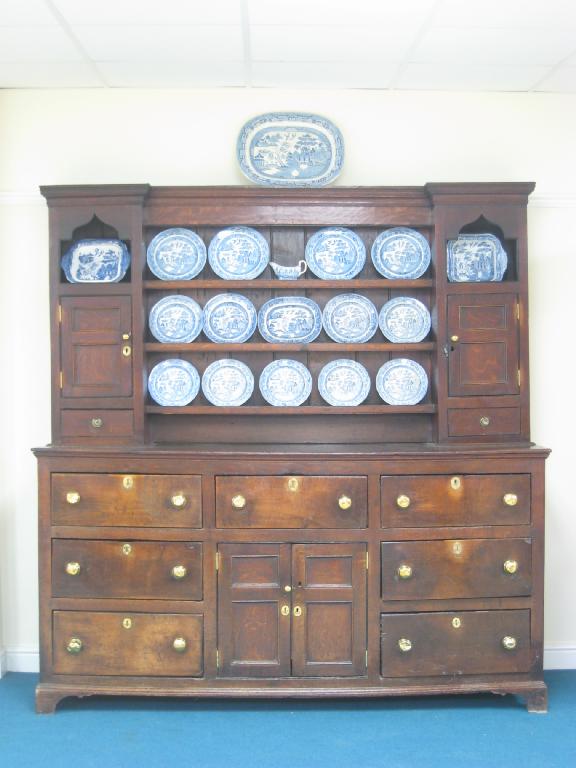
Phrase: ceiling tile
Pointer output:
(144, 12)
(507, 13)
(32, 12)
(172, 74)
(495, 46)
(337, 12)
(322, 74)
(563, 80)
(182, 43)
(50, 74)
(36, 44)
(467, 77)
(314, 43)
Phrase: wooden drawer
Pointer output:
(166, 501)
(454, 643)
(416, 501)
(135, 569)
(97, 423)
(413, 570)
(87, 643)
(291, 502)
(464, 422)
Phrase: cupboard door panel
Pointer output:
(329, 586)
(93, 364)
(253, 633)
(484, 359)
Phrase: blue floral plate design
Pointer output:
(96, 261)
(176, 254)
(229, 318)
(290, 319)
(175, 320)
(238, 253)
(401, 253)
(404, 320)
(350, 319)
(227, 383)
(290, 149)
(476, 259)
(401, 382)
(344, 383)
(173, 383)
(285, 383)
(335, 253)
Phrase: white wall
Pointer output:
(188, 137)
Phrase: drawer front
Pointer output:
(413, 570)
(135, 569)
(455, 643)
(97, 423)
(459, 500)
(147, 644)
(166, 501)
(291, 502)
(464, 422)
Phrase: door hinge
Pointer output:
(217, 659)
(519, 376)
(366, 658)
(59, 313)
(61, 379)
(217, 561)
(367, 560)
(517, 310)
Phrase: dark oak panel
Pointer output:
(475, 422)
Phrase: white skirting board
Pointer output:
(555, 657)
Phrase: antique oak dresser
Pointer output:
(311, 551)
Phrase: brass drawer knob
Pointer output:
(72, 497)
(178, 500)
(287, 588)
(74, 645)
(510, 566)
(484, 421)
(297, 611)
(509, 643)
(405, 571)
(72, 569)
(344, 502)
(404, 644)
(403, 501)
(179, 572)
(179, 644)
(510, 499)
(285, 610)
(96, 422)
(454, 338)
(238, 501)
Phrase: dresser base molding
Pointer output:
(49, 695)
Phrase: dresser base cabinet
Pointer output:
(406, 573)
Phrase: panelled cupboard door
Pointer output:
(295, 609)
(483, 333)
(96, 359)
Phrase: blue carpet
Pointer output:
(458, 731)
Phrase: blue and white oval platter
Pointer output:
(290, 149)
(96, 261)
(290, 319)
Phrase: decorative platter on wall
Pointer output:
(290, 149)
(96, 261)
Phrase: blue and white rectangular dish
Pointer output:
(96, 261)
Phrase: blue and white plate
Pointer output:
(96, 261)
(227, 383)
(401, 253)
(285, 383)
(335, 253)
(290, 149)
(292, 319)
(229, 318)
(344, 382)
(476, 259)
(175, 320)
(176, 254)
(173, 382)
(404, 320)
(350, 319)
(401, 382)
(238, 253)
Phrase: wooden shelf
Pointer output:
(256, 346)
(287, 285)
(302, 410)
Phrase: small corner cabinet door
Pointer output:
(329, 630)
(96, 348)
(483, 339)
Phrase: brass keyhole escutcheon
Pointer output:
(404, 644)
(128, 482)
(126, 549)
(127, 623)
(126, 350)
(97, 422)
(297, 611)
(456, 622)
(455, 483)
(72, 497)
(457, 548)
(293, 484)
(285, 610)
(73, 569)
(403, 501)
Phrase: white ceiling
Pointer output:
(487, 45)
